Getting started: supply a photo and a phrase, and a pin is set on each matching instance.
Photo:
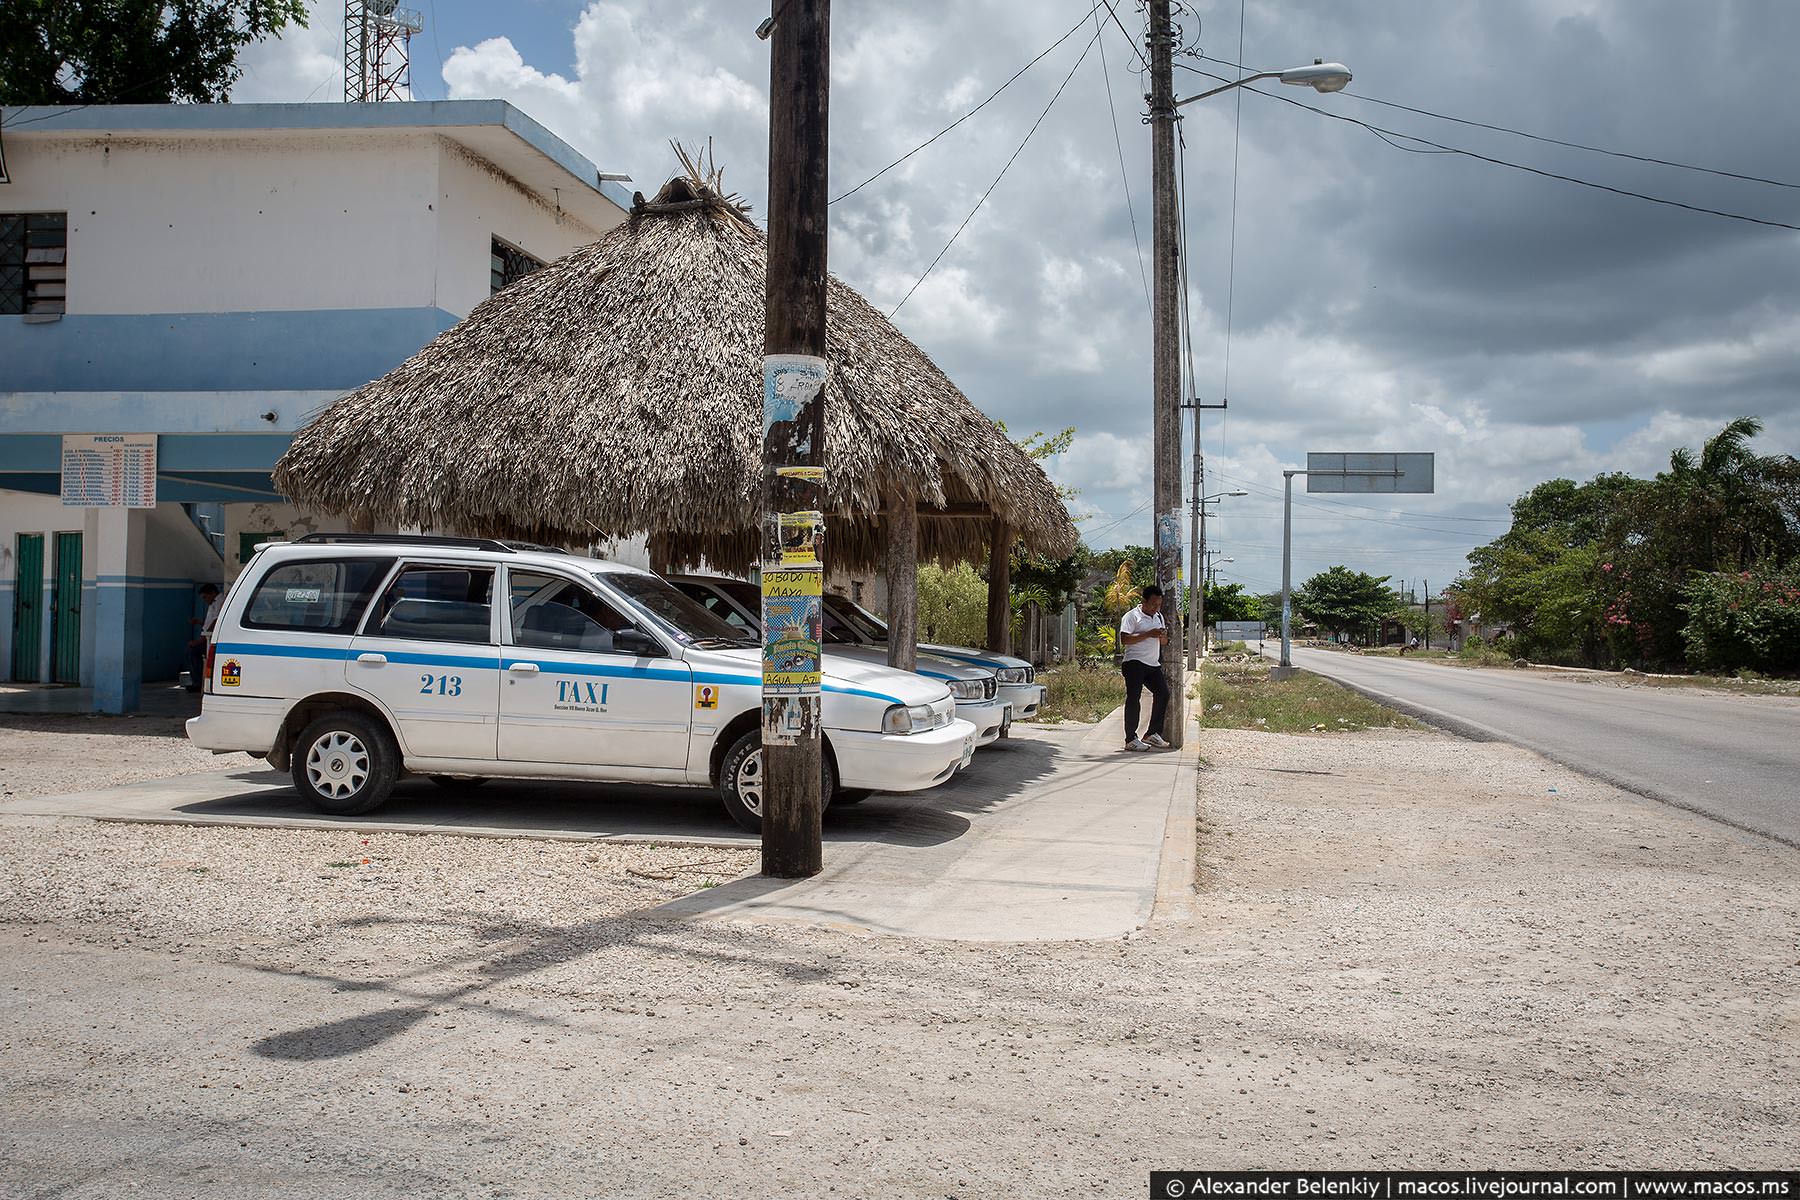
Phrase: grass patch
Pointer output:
(1078, 692)
(1240, 695)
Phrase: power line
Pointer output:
(1098, 5)
(1002, 175)
(1536, 137)
(1386, 134)
(1124, 176)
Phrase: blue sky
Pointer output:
(1521, 327)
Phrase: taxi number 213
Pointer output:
(440, 685)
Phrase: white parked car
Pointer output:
(975, 688)
(348, 659)
(1017, 678)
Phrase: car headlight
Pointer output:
(1014, 674)
(901, 719)
(967, 689)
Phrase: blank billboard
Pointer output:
(1370, 473)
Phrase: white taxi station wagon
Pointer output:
(348, 659)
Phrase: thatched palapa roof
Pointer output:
(618, 391)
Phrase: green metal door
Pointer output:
(65, 611)
(28, 607)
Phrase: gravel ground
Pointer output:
(47, 756)
(1410, 951)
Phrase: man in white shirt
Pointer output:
(1142, 635)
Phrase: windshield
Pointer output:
(862, 625)
(678, 616)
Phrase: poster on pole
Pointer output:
(1371, 473)
(792, 626)
(109, 470)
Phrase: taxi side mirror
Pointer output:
(636, 641)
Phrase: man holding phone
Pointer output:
(1142, 635)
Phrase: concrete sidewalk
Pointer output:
(1079, 853)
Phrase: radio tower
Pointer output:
(377, 50)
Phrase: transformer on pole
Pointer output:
(377, 50)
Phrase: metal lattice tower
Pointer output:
(377, 50)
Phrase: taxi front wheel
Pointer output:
(346, 764)
(741, 780)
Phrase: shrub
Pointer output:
(1744, 619)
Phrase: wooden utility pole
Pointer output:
(794, 432)
(1165, 383)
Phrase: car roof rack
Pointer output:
(424, 539)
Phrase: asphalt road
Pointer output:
(1736, 758)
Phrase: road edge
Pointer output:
(1475, 731)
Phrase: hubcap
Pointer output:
(749, 782)
(338, 765)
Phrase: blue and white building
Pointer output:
(191, 282)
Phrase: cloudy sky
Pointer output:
(1520, 327)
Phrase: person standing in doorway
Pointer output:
(196, 647)
(1143, 633)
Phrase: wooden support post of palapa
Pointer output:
(999, 598)
(903, 583)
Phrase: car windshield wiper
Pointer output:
(715, 642)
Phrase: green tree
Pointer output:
(131, 51)
(1344, 601)
(1427, 627)
(1229, 602)
(952, 605)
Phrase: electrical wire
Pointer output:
(1536, 137)
(1124, 175)
(1098, 5)
(1386, 134)
(1002, 175)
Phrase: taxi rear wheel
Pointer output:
(742, 776)
(345, 763)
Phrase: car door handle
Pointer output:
(522, 668)
(372, 660)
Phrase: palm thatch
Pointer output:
(618, 391)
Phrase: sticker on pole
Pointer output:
(791, 630)
(804, 474)
(801, 537)
(793, 393)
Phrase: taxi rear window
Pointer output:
(324, 595)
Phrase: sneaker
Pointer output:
(1137, 744)
(1156, 739)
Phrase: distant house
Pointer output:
(188, 283)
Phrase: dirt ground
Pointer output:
(1410, 950)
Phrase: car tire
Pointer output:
(345, 763)
(458, 783)
(852, 795)
(741, 775)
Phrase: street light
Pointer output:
(1198, 643)
(1320, 77)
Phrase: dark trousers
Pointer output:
(1140, 675)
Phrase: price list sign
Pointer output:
(109, 470)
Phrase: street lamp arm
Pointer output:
(1260, 75)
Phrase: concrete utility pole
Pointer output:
(1165, 383)
(1196, 541)
(794, 423)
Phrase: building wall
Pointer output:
(170, 560)
(477, 202)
